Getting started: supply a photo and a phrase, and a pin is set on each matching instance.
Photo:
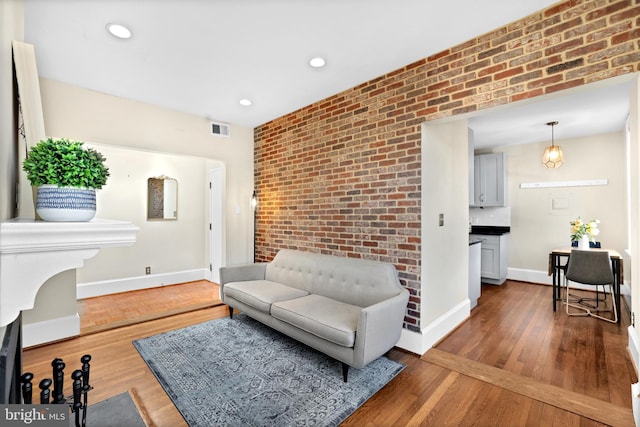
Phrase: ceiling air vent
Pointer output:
(220, 129)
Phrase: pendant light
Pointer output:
(552, 157)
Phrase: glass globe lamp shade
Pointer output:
(552, 157)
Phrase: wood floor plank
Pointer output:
(127, 308)
(433, 400)
(579, 404)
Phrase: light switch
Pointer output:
(441, 220)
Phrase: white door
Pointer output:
(216, 222)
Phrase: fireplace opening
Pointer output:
(11, 362)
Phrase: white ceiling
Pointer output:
(590, 110)
(203, 56)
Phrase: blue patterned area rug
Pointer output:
(238, 372)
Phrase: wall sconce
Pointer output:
(552, 157)
(254, 205)
(254, 200)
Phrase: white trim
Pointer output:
(634, 347)
(542, 277)
(532, 276)
(33, 251)
(107, 287)
(419, 343)
(50, 330)
(555, 184)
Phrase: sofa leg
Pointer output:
(231, 312)
(345, 371)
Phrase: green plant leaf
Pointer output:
(66, 164)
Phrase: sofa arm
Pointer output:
(241, 273)
(379, 328)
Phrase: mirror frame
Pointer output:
(156, 196)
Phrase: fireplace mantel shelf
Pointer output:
(31, 252)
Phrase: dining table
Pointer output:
(558, 259)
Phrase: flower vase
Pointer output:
(583, 243)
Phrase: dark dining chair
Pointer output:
(563, 268)
(590, 268)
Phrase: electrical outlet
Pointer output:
(147, 270)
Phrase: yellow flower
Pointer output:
(580, 228)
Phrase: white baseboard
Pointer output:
(419, 343)
(542, 277)
(532, 276)
(107, 287)
(50, 330)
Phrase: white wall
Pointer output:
(536, 227)
(164, 245)
(444, 287)
(77, 113)
(631, 271)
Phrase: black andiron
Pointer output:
(80, 386)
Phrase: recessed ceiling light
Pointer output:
(317, 62)
(245, 102)
(119, 31)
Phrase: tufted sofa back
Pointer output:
(350, 280)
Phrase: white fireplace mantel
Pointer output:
(31, 252)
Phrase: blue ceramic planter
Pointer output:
(65, 204)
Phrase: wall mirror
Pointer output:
(162, 198)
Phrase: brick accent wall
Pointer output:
(342, 176)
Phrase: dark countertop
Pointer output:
(495, 230)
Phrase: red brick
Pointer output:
(561, 7)
(629, 35)
(607, 31)
(491, 70)
(627, 14)
(476, 65)
(608, 10)
(508, 73)
(524, 77)
(563, 47)
(547, 81)
(478, 82)
(585, 50)
(563, 86)
(611, 52)
(544, 62)
(586, 71)
(563, 26)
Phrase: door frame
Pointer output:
(216, 223)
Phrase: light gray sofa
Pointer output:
(350, 309)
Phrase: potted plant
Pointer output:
(66, 175)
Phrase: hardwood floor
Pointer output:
(117, 310)
(514, 362)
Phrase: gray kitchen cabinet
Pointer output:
(493, 257)
(490, 179)
(475, 288)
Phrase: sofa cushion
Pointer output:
(260, 294)
(332, 320)
(353, 281)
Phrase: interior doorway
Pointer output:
(216, 221)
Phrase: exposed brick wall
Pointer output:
(342, 176)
